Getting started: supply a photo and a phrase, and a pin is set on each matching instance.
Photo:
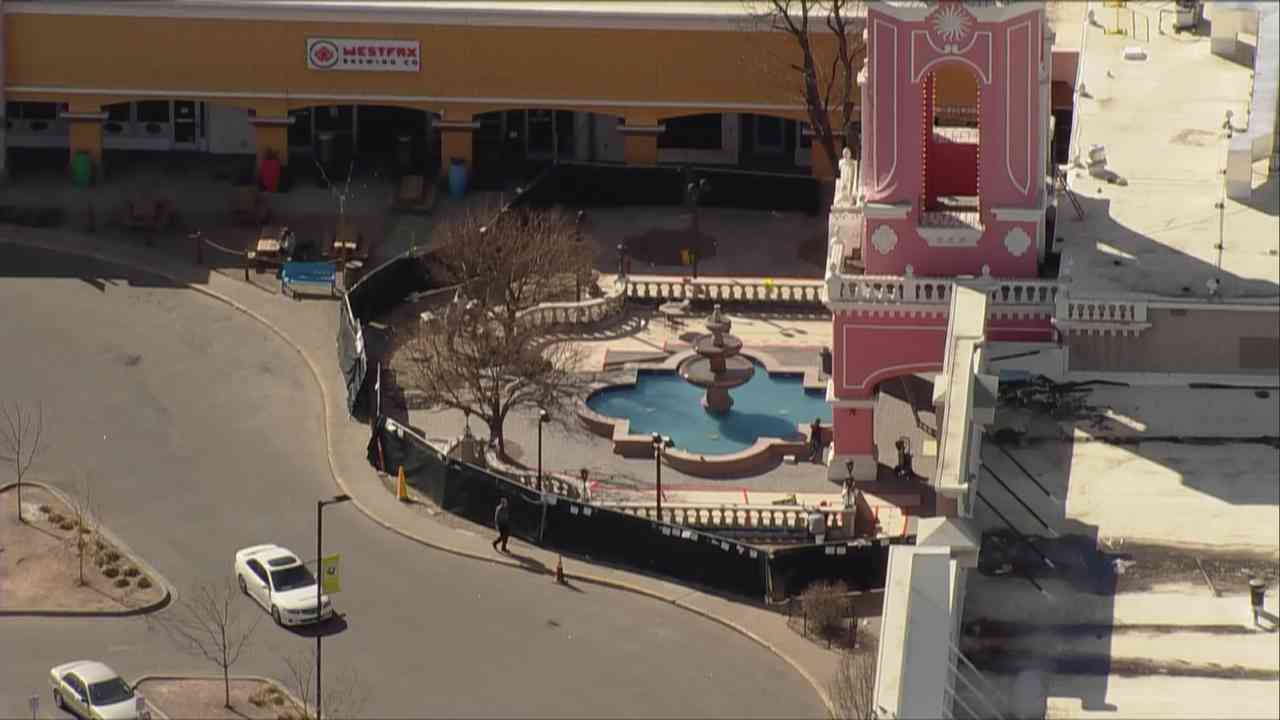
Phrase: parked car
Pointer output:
(281, 584)
(93, 691)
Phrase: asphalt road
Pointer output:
(200, 433)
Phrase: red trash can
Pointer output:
(270, 174)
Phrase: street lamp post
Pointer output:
(320, 506)
(543, 417)
(659, 442)
(622, 257)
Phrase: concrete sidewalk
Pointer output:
(310, 326)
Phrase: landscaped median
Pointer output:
(200, 696)
(59, 561)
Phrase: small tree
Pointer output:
(852, 689)
(483, 354)
(344, 694)
(828, 79)
(209, 622)
(21, 428)
(84, 513)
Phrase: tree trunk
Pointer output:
(226, 687)
(495, 433)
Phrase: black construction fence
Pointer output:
(600, 534)
(605, 185)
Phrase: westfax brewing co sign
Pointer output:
(363, 54)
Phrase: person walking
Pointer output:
(815, 440)
(502, 522)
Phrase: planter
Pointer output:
(457, 178)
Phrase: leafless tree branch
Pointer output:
(209, 622)
(482, 354)
(21, 433)
(852, 689)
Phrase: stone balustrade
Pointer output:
(726, 290)
(733, 517)
(565, 486)
(1102, 314)
(898, 289)
(585, 312)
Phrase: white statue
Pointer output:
(844, 184)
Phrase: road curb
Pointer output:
(343, 486)
(176, 677)
(115, 540)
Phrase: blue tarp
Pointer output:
(308, 272)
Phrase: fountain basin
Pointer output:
(770, 420)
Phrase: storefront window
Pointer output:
(693, 132)
(39, 111)
(153, 111)
(118, 112)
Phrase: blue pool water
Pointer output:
(662, 402)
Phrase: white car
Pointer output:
(93, 691)
(281, 584)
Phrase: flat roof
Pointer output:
(1161, 122)
(911, 668)
(1126, 470)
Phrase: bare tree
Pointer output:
(21, 428)
(209, 622)
(344, 694)
(827, 77)
(483, 354)
(84, 513)
(852, 689)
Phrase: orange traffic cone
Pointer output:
(560, 570)
(402, 487)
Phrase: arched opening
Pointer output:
(951, 163)
(906, 427)
(704, 139)
(511, 146)
(769, 143)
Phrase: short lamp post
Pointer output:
(577, 237)
(320, 506)
(543, 418)
(659, 443)
(622, 260)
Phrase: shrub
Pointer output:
(144, 582)
(112, 556)
(122, 582)
(56, 518)
(825, 605)
(132, 571)
(99, 543)
(67, 525)
(261, 696)
(45, 509)
(111, 571)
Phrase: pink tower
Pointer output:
(954, 182)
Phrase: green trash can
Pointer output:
(81, 169)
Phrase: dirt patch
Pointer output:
(205, 698)
(663, 247)
(39, 568)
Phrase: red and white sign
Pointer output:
(363, 54)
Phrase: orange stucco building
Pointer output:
(634, 82)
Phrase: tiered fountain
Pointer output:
(718, 366)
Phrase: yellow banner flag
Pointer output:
(330, 574)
